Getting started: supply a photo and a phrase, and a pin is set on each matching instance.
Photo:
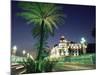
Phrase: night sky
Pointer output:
(79, 23)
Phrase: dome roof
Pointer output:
(62, 38)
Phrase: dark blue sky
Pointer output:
(79, 23)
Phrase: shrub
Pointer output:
(49, 65)
(37, 66)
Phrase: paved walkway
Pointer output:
(17, 69)
(71, 67)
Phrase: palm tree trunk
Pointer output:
(41, 41)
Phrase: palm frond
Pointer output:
(36, 12)
(54, 10)
(48, 24)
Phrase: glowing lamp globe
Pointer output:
(83, 40)
(14, 48)
(24, 52)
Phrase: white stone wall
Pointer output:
(63, 49)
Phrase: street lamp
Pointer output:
(24, 52)
(14, 49)
(83, 42)
(14, 52)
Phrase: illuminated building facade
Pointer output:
(67, 48)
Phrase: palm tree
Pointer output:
(45, 18)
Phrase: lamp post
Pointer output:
(24, 52)
(14, 49)
(14, 52)
(83, 43)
